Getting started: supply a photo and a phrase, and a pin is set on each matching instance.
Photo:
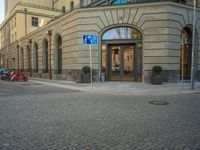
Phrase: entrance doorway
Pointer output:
(122, 54)
(122, 62)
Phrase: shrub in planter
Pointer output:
(156, 75)
(86, 69)
(85, 75)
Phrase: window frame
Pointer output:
(35, 21)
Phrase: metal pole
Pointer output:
(182, 69)
(193, 46)
(91, 63)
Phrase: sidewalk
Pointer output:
(130, 88)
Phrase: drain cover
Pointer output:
(158, 103)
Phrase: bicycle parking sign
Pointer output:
(90, 39)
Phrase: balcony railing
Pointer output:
(98, 3)
(109, 2)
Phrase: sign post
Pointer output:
(90, 39)
(193, 46)
(182, 67)
(91, 63)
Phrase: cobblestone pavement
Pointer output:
(40, 117)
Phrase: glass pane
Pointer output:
(116, 61)
(128, 60)
(104, 50)
(122, 33)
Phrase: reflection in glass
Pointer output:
(128, 60)
(116, 60)
(122, 33)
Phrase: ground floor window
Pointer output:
(186, 53)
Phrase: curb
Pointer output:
(138, 92)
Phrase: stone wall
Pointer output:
(160, 23)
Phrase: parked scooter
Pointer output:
(14, 76)
(6, 76)
(20, 76)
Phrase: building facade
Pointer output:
(9, 5)
(133, 37)
(23, 17)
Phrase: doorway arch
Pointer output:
(121, 54)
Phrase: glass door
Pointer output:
(122, 62)
(116, 60)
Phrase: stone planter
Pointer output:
(85, 78)
(156, 79)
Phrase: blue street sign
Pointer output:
(90, 39)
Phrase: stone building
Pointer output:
(133, 37)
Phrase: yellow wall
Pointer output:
(17, 31)
(10, 4)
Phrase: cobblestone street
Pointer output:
(41, 117)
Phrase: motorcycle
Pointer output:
(19, 77)
(6, 76)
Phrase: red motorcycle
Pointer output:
(21, 76)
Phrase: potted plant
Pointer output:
(156, 75)
(85, 74)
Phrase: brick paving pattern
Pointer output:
(39, 117)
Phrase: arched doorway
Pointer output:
(45, 56)
(35, 57)
(122, 54)
(58, 54)
(186, 55)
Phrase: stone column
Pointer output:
(49, 33)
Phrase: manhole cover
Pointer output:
(158, 103)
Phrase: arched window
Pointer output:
(71, 6)
(63, 9)
(22, 58)
(45, 56)
(35, 59)
(58, 54)
(122, 33)
(28, 60)
(81, 3)
(119, 2)
(186, 53)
